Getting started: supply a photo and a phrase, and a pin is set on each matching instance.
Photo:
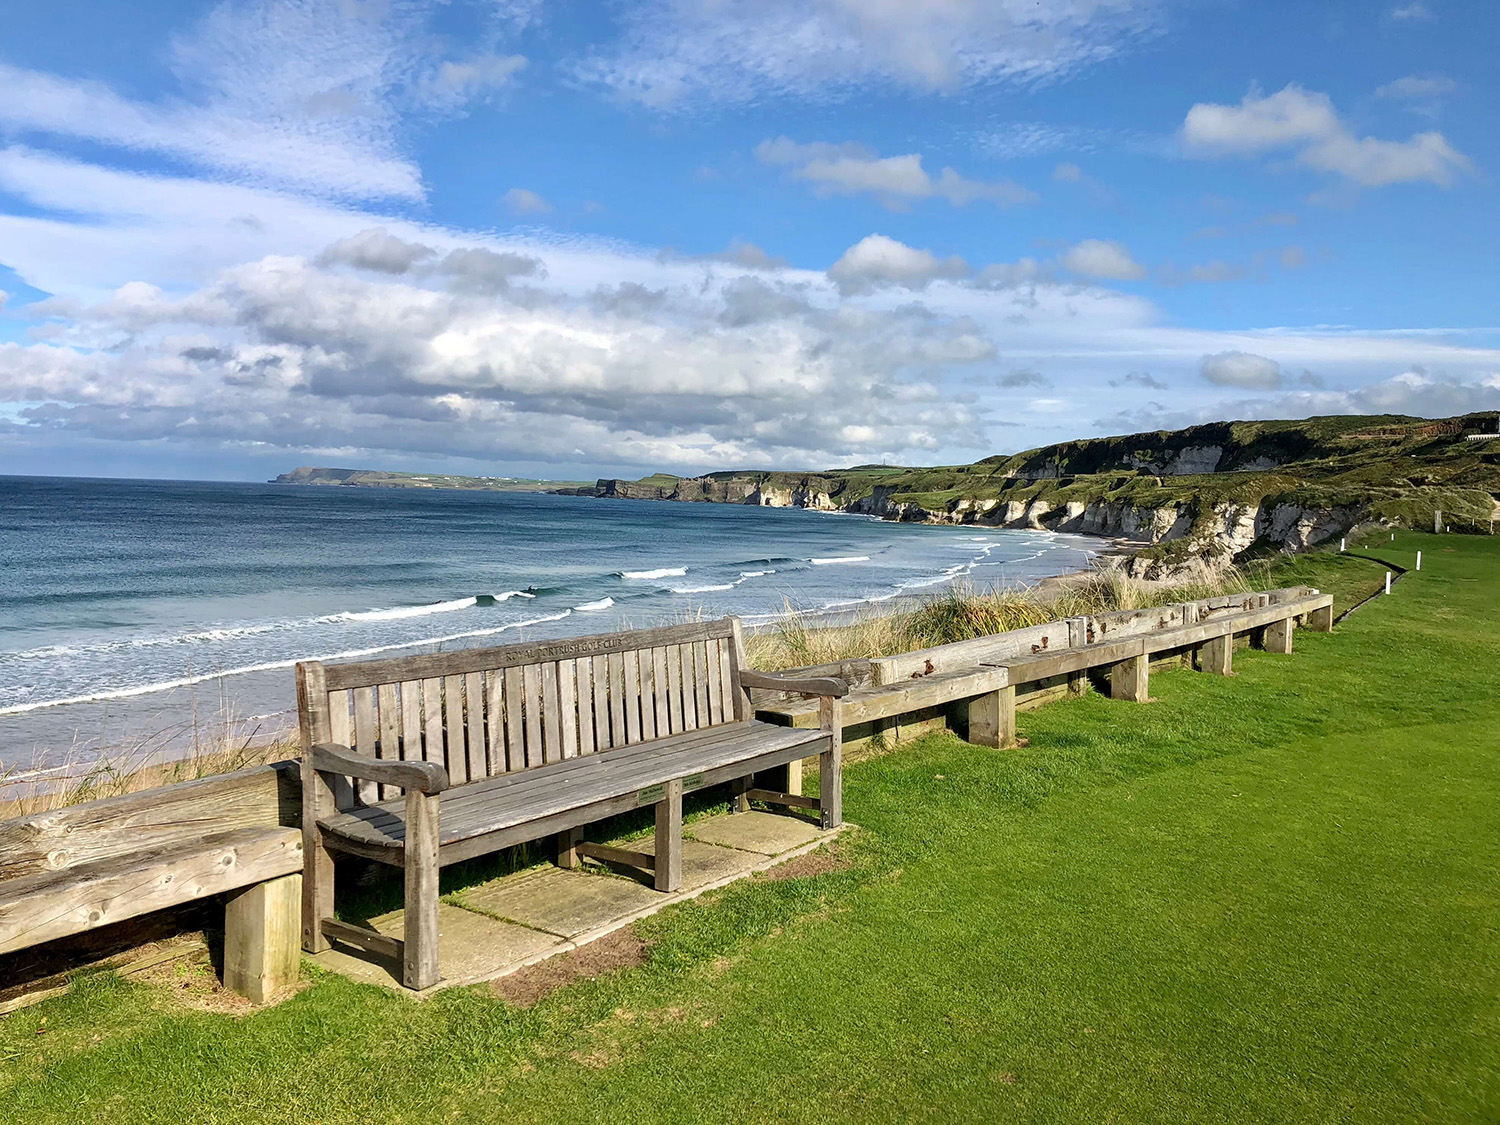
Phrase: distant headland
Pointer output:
(380, 478)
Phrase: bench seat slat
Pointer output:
(484, 807)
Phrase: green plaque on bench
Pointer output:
(651, 795)
(693, 782)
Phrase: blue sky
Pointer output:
(564, 239)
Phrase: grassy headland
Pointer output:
(1269, 897)
(1225, 491)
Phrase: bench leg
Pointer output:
(792, 784)
(1278, 637)
(419, 967)
(261, 949)
(992, 719)
(1217, 655)
(317, 863)
(738, 802)
(1130, 679)
(1321, 620)
(831, 765)
(669, 839)
(567, 848)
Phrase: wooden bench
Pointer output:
(982, 676)
(500, 746)
(93, 864)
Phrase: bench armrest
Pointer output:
(424, 777)
(807, 685)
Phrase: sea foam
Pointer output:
(401, 612)
(272, 665)
(663, 572)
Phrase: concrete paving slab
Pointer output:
(754, 831)
(563, 910)
(471, 947)
(566, 903)
(703, 864)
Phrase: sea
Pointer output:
(156, 615)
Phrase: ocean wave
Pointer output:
(840, 559)
(663, 572)
(271, 666)
(402, 612)
(703, 589)
(756, 573)
(198, 636)
(505, 597)
(595, 607)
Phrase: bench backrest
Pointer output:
(1123, 623)
(969, 654)
(484, 712)
(1096, 628)
(259, 797)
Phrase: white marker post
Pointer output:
(1419, 560)
(1387, 582)
(1341, 545)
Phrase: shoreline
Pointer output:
(165, 747)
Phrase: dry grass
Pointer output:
(187, 752)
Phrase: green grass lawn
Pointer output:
(1269, 898)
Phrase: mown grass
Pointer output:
(1270, 897)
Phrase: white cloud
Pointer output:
(524, 202)
(1261, 123)
(433, 352)
(1067, 173)
(475, 76)
(1416, 87)
(196, 317)
(1375, 163)
(878, 260)
(851, 169)
(1305, 121)
(297, 94)
(1416, 11)
(1103, 258)
(682, 54)
(1241, 369)
(376, 249)
(751, 256)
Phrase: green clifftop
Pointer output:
(1222, 490)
